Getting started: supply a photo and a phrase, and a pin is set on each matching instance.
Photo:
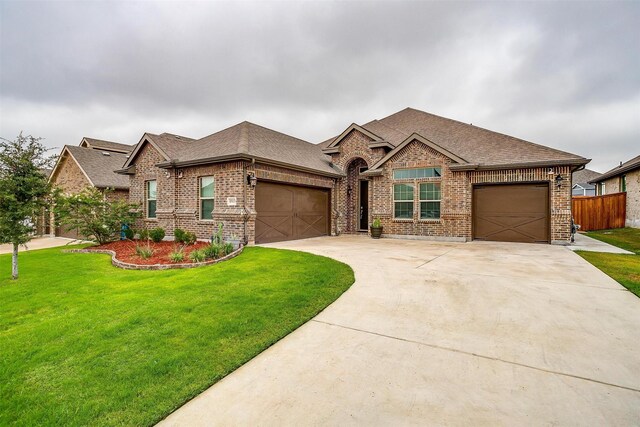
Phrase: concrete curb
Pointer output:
(128, 266)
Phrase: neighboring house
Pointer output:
(423, 175)
(581, 185)
(624, 178)
(91, 164)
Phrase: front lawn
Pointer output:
(625, 269)
(85, 343)
(625, 238)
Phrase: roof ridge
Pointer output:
(485, 130)
(243, 143)
(281, 133)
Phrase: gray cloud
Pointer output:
(561, 74)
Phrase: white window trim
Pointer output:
(412, 201)
(147, 198)
(420, 201)
(200, 198)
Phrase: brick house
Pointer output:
(624, 178)
(580, 185)
(422, 175)
(90, 164)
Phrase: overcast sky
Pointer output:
(565, 74)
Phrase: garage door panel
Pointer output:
(511, 213)
(310, 225)
(286, 212)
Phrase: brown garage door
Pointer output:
(287, 212)
(511, 213)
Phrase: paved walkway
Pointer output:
(445, 334)
(39, 243)
(586, 243)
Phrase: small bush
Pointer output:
(228, 248)
(177, 255)
(186, 237)
(144, 234)
(156, 234)
(197, 256)
(212, 251)
(129, 233)
(144, 252)
(189, 238)
(178, 235)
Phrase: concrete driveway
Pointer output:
(446, 333)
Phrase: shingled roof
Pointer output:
(619, 170)
(100, 144)
(475, 146)
(247, 141)
(99, 166)
(584, 176)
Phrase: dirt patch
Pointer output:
(126, 251)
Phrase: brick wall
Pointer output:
(456, 187)
(178, 203)
(633, 199)
(69, 177)
(612, 185)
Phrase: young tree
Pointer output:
(23, 190)
(93, 215)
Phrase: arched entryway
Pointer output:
(357, 197)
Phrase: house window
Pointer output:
(206, 197)
(430, 197)
(417, 173)
(602, 189)
(151, 194)
(403, 201)
(623, 183)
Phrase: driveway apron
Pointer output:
(436, 333)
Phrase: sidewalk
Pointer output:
(586, 243)
(40, 243)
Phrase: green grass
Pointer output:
(85, 343)
(625, 238)
(625, 269)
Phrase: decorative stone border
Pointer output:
(128, 266)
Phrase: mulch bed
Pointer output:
(126, 251)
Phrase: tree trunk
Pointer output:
(14, 262)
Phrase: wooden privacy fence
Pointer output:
(599, 212)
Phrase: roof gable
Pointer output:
(336, 141)
(100, 144)
(98, 167)
(418, 138)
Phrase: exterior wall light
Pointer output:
(559, 180)
(252, 180)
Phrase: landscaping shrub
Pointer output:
(144, 234)
(156, 234)
(129, 233)
(228, 248)
(144, 252)
(178, 235)
(197, 256)
(177, 255)
(186, 237)
(212, 251)
(189, 238)
(94, 215)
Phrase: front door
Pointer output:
(363, 223)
